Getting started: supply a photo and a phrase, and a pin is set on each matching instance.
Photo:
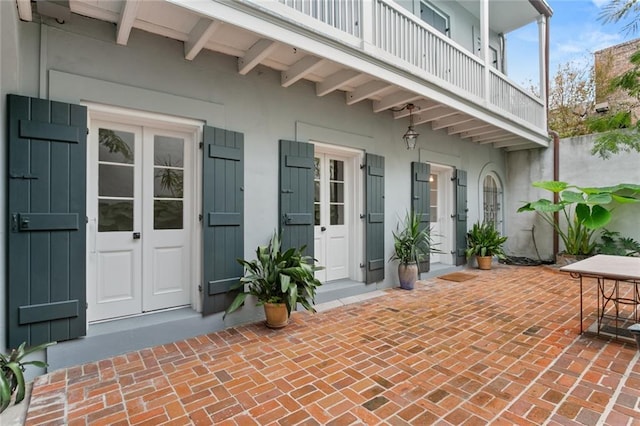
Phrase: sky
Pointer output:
(576, 33)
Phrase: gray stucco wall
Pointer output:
(44, 57)
(578, 167)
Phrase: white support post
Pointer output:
(484, 43)
(542, 41)
(367, 23)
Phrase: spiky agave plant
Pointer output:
(12, 369)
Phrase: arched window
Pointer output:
(492, 201)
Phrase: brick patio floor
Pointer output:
(502, 348)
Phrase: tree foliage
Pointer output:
(571, 97)
(619, 134)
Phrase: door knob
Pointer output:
(136, 235)
(323, 228)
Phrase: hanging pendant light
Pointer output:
(411, 136)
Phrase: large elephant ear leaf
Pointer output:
(598, 218)
(622, 199)
(551, 185)
(601, 198)
(542, 205)
(572, 197)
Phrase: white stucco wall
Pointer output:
(578, 167)
(79, 61)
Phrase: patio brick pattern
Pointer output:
(502, 348)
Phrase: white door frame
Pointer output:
(446, 208)
(126, 116)
(353, 159)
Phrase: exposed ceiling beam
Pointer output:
(299, 70)
(199, 36)
(472, 125)
(492, 137)
(336, 81)
(480, 132)
(394, 100)
(421, 107)
(434, 114)
(366, 91)
(450, 121)
(520, 147)
(127, 18)
(256, 53)
(515, 142)
(24, 10)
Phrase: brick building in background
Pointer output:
(612, 62)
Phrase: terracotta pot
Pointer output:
(484, 262)
(277, 315)
(408, 275)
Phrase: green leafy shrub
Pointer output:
(412, 244)
(278, 277)
(584, 209)
(612, 243)
(12, 369)
(484, 240)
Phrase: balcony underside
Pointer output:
(302, 48)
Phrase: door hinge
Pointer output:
(362, 265)
(200, 288)
(87, 131)
(200, 217)
(201, 145)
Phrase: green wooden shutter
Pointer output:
(223, 217)
(461, 215)
(46, 268)
(421, 199)
(296, 195)
(374, 227)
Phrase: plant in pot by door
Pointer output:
(484, 242)
(279, 280)
(411, 245)
(12, 368)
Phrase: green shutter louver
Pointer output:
(296, 195)
(223, 216)
(374, 220)
(46, 270)
(421, 200)
(461, 215)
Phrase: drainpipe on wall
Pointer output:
(553, 133)
(556, 177)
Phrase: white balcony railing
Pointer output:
(396, 32)
(402, 35)
(344, 15)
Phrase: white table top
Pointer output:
(606, 266)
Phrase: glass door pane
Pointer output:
(168, 185)
(115, 180)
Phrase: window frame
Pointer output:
(440, 13)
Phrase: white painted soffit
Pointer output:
(274, 31)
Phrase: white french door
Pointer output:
(435, 214)
(140, 218)
(332, 213)
(441, 208)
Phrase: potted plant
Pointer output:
(585, 210)
(279, 280)
(411, 245)
(484, 242)
(12, 367)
